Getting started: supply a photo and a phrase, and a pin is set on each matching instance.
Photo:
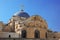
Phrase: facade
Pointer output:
(24, 26)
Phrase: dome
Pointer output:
(22, 14)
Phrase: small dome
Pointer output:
(22, 14)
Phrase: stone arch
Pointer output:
(9, 36)
(37, 34)
(46, 34)
(23, 35)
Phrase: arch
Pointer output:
(37, 34)
(23, 34)
(46, 34)
(9, 36)
(54, 37)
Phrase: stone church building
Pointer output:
(22, 25)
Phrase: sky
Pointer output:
(47, 9)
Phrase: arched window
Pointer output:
(37, 34)
(23, 34)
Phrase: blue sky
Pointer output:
(48, 9)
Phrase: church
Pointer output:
(22, 25)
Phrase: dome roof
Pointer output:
(22, 14)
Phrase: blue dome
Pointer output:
(22, 14)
